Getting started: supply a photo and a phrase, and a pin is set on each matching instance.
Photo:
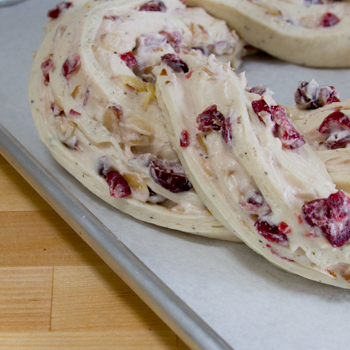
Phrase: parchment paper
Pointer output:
(246, 300)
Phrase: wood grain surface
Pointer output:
(55, 292)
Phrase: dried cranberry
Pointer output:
(86, 95)
(55, 109)
(116, 109)
(306, 95)
(210, 119)
(257, 200)
(259, 90)
(174, 39)
(284, 228)
(337, 128)
(255, 204)
(327, 95)
(226, 130)
(337, 141)
(260, 106)
(188, 76)
(271, 232)
(284, 130)
(329, 20)
(55, 12)
(309, 95)
(129, 59)
(289, 137)
(314, 211)
(74, 113)
(334, 120)
(46, 68)
(71, 65)
(169, 175)
(112, 18)
(118, 186)
(184, 138)
(332, 216)
(154, 6)
(175, 63)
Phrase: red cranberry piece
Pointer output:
(257, 200)
(260, 106)
(169, 175)
(337, 141)
(184, 138)
(259, 90)
(278, 114)
(284, 130)
(129, 59)
(210, 119)
(289, 137)
(271, 232)
(334, 126)
(314, 211)
(154, 6)
(46, 68)
(306, 95)
(174, 39)
(337, 234)
(332, 216)
(327, 95)
(118, 187)
(74, 113)
(284, 228)
(226, 130)
(309, 95)
(86, 95)
(71, 65)
(338, 206)
(55, 12)
(175, 63)
(188, 76)
(329, 20)
(55, 109)
(112, 18)
(333, 121)
(255, 204)
(116, 109)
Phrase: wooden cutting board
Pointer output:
(55, 292)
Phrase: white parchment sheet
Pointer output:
(249, 302)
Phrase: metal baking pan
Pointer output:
(213, 294)
(191, 328)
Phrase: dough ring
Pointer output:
(93, 101)
(306, 32)
(254, 171)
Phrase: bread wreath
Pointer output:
(306, 32)
(254, 171)
(101, 121)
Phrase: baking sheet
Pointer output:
(247, 301)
